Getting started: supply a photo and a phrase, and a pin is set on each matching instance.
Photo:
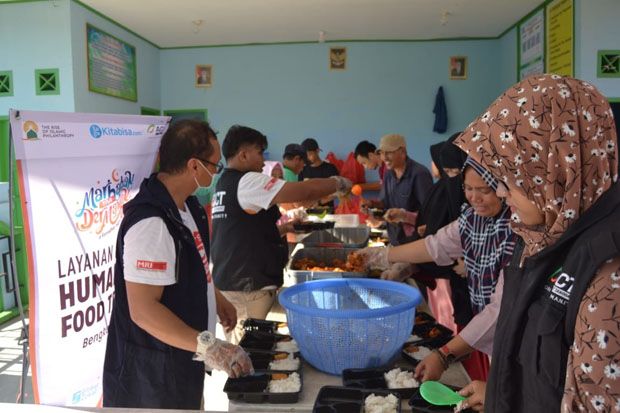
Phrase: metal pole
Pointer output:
(25, 339)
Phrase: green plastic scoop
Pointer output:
(439, 394)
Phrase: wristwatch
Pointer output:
(447, 354)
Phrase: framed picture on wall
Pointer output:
(337, 58)
(203, 76)
(458, 67)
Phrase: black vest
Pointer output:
(247, 250)
(140, 370)
(536, 323)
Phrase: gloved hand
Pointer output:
(344, 185)
(376, 257)
(298, 214)
(399, 271)
(222, 355)
(395, 215)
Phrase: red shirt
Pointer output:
(381, 171)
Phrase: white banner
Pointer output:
(76, 171)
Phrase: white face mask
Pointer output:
(200, 187)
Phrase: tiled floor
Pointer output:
(11, 364)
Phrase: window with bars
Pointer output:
(47, 81)
(608, 63)
(6, 83)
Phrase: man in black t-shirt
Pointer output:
(316, 167)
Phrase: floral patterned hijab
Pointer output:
(553, 137)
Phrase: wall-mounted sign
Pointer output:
(531, 45)
(111, 65)
(560, 37)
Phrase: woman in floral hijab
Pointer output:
(551, 141)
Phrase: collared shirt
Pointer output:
(408, 193)
(289, 176)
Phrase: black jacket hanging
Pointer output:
(441, 112)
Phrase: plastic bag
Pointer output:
(349, 168)
(350, 205)
(331, 158)
(353, 170)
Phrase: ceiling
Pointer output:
(183, 23)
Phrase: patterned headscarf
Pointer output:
(488, 244)
(553, 137)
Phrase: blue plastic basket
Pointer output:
(350, 323)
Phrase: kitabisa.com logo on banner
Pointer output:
(97, 131)
(101, 208)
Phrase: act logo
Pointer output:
(95, 131)
(31, 130)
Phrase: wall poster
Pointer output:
(111, 65)
(560, 37)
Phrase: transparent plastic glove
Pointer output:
(376, 257)
(395, 215)
(222, 355)
(344, 185)
(298, 214)
(399, 271)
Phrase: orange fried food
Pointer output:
(354, 263)
(279, 376)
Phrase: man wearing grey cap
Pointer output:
(293, 160)
(405, 185)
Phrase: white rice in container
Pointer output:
(290, 363)
(289, 346)
(399, 379)
(291, 384)
(380, 404)
(421, 353)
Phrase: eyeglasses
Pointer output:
(218, 166)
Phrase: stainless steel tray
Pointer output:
(321, 255)
(353, 237)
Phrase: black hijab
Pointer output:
(441, 207)
(443, 203)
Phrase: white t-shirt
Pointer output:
(257, 190)
(153, 262)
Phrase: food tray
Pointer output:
(419, 405)
(320, 210)
(262, 358)
(424, 318)
(373, 379)
(335, 399)
(253, 389)
(409, 357)
(432, 334)
(260, 340)
(309, 226)
(267, 326)
(354, 237)
(324, 255)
